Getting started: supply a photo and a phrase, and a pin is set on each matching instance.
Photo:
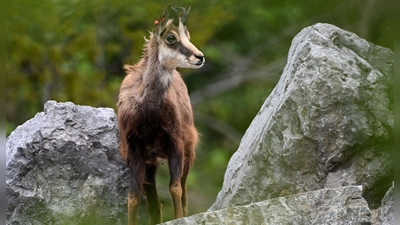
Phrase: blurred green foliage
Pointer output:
(75, 51)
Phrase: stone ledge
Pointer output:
(343, 205)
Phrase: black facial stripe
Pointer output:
(185, 51)
(181, 48)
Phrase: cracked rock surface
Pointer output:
(328, 123)
(327, 206)
(63, 167)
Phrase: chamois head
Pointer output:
(173, 38)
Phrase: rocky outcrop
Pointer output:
(63, 168)
(320, 151)
(328, 206)
(328, 123)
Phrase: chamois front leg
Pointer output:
(187, 165)
(175, 186)
(184, 198)
(136, 174)
(153, 202)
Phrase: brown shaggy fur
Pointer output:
(156, 122)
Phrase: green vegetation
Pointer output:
(75, 51)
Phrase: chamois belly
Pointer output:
(150, 148)
(155, 155)
(156, 131)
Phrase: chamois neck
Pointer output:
(156, 78)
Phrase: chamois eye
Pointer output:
(171, 39)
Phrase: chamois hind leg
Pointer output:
(153, 202)
(188, 163)
(175, 163)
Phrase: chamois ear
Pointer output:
(164, 13)
(188, 8)
(162, 20)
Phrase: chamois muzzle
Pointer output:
(201, 59)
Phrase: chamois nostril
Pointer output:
(201, 57)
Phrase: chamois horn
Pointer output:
(175, 16)
(171, 12)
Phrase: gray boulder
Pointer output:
(327, 206)
(328, 123)
(63, 168)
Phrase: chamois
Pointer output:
(155, 117)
